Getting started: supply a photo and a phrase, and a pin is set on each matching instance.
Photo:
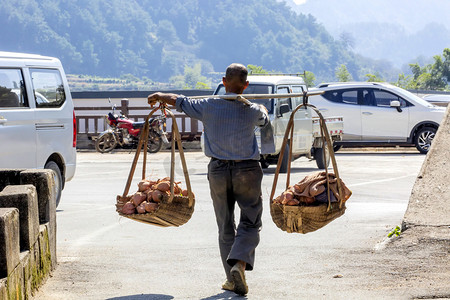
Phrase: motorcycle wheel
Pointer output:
(154, 142)
(106, 143)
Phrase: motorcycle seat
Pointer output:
(139, 124)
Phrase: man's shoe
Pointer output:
(238, 274)
(228, 285)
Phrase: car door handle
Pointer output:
(367, 113)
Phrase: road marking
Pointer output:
(381, 180)
(73, 249)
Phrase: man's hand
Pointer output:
(153, 98)
(164, 98)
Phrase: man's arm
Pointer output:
(168, 98)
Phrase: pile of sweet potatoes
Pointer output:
(149, 195)
(298, 194)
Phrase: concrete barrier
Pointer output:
(429, 204)
(27, 231)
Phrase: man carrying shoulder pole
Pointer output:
(234, 172)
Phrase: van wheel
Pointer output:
(51, 165)
(285, 161)
(336, 148)
(321, 162)
(264, 163)
(423, 139)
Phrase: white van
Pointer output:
(37, 119)
(306, 136)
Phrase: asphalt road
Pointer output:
(104, 256)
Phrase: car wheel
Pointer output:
(105, 143)
(51, 165)
(321, 161)
(336, 148)
(423, 139)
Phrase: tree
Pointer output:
(374, 78)
(309, 78)
(252, 69)
(342, 74)
(432, 76)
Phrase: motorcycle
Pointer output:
(125, 133)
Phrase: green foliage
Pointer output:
(158, 38)
(191, 79)
(309, 78)
(252, 69)
(342, 74)
(397, 231)
(431, 76)
(374, 78)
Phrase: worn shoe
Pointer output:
(238, 274)
(228, 285)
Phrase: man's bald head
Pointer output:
(236, 71)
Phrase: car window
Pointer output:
(348, 96)
(284, 90)
(48, 88)
(12, 89)
(297, 100)
(384, 98)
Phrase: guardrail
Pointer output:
(91, 119)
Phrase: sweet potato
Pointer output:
(163, 186)
(141, 208)
(293, 202)
(150, 206)
(143, 185)
(138, 198)
(128, 208)
(157, 196)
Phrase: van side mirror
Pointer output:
(396, 104)
(284, 108)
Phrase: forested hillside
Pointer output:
(158, 39)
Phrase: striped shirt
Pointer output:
(229, 126)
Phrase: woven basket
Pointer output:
(173, 210)
(305, 218)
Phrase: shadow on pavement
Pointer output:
(224, 296)
(143, 297)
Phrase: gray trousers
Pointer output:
(236, 182)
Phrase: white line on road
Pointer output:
(381, 180)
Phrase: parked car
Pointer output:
(379, 114)
(37, 119)
(306, 137)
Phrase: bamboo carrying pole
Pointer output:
(244, 97)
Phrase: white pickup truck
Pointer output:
(306, 138)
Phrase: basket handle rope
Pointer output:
(143, 141)
(325, 140)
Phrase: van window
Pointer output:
(255, 89)
(48, 88)
(297, 100)
(12, 89)
(284, 90)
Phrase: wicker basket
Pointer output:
(305, 218)
(173, 210)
